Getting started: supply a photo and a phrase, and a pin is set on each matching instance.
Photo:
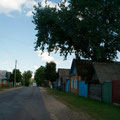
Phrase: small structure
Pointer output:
(3, 78)
(100, 81)
(100, 85)
(63, 76)
(80, 72)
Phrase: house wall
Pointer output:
(2, 83)
(95, 91)
(83, 89)
(67, 85)
(116, 91)
(107, 92)
(74, 84)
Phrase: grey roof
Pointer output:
(107, 72)
(3, 74)
(63, 73)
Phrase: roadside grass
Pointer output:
(4, 88)
(95, 109)
(7, 87)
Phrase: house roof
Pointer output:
(107, 71)
(3, 74)
(83, 67)
(63, 73)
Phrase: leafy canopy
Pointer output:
(47, 73)
(26, 77)
(40, 75)
(50, 71)
(87, 28)
(18, 76)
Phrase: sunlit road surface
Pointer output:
(23, 104)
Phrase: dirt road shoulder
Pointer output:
(58, 110)
(9, 89)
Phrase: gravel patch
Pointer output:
(59, 111)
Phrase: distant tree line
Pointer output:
(23, 79)
(46, 73)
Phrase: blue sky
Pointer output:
(17, 37)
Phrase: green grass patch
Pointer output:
(7, 87)
(96, 109)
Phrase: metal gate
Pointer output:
(107, 92)
(83, 89)
(67, 86)
(116, 91)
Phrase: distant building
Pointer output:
(81, 70)
(63, 76)
(4, 77)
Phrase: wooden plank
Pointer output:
(94, 91)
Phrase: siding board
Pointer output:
(116, 91)
(83, 89)
(107, 92)
(94, 91)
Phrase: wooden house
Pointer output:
(80, 72)
(3, 78)
(100, 85)
(100, 81)
(63, 76)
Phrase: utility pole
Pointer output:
(15, 73)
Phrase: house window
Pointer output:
(71, 83)
(75, 84)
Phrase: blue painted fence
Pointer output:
(67, 86)
(83, 89)
(55, 85)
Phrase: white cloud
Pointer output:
(29, 13)
(36, 67)
(48, 3)
(45, 57)
(8, 6)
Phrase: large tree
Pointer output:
(40, 75)
(88, 28)
(26, 77)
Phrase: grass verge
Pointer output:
(5, 88)
(96, 109)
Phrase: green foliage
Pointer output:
(18, 76)
(50, 71)
(47, 73)
(26, 77)
(87, 28)
(40, 75)
(32, 81)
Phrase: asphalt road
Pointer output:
(23, 104)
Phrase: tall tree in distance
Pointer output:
(88, 28)
(50, 71)
(18, 76)
(26, 77)
(40, 75)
